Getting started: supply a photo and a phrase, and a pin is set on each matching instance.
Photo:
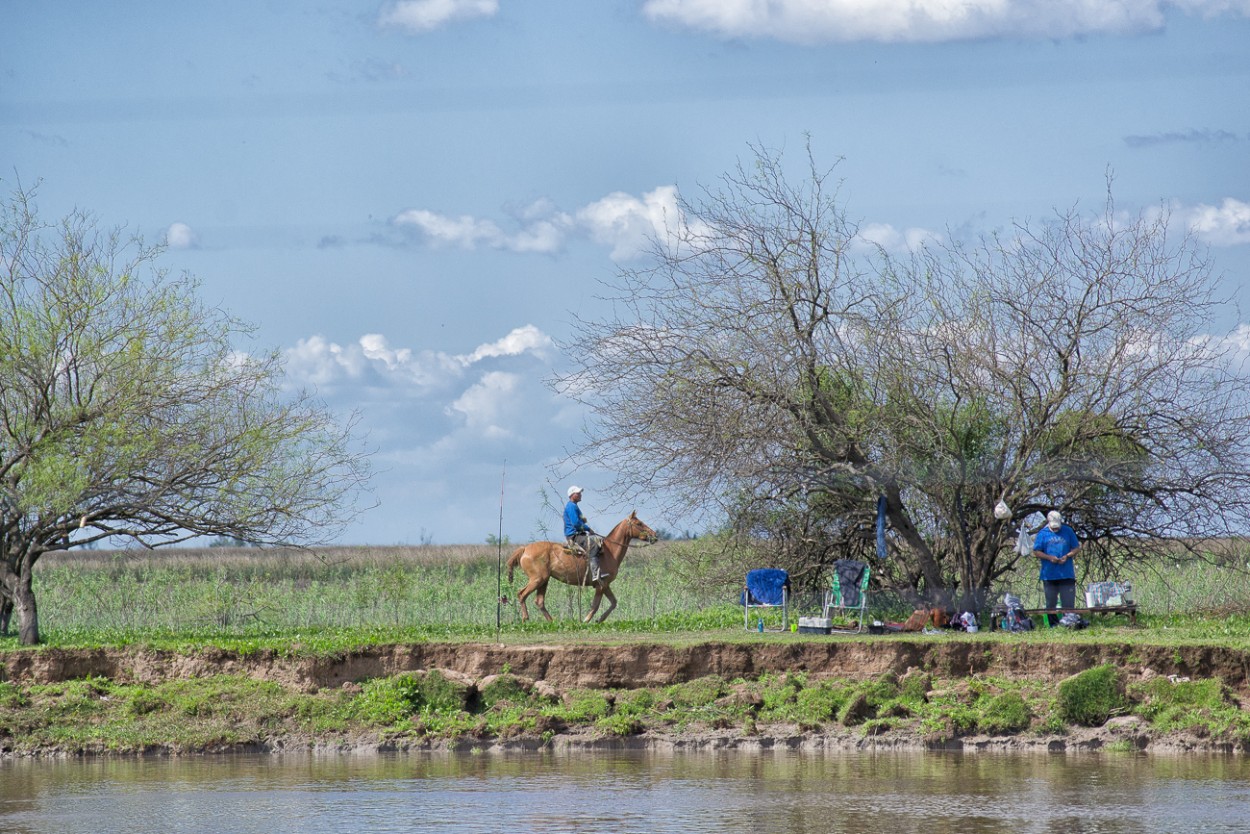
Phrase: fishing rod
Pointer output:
(499, 558)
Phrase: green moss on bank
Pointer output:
(224, 712)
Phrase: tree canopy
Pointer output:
(127, 410)
(769, 360)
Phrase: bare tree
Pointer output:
(768, 358)
(126, 410)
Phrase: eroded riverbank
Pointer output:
(919, 693)
(640, 665)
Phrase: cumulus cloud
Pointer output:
(487, 404)
(628, 223)
(1227, 224)
(824, 21)
(621, 221)
(372, 360)
(418, 16)
(895, 240)
(180, 236)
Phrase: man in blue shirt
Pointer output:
(577, 532)
(1054, 546)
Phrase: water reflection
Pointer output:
(629, 792)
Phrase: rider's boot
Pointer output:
(596, 572)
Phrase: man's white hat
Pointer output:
(1054, 518)
(573, 490)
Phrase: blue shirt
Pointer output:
(574, 521)
(1056, 544)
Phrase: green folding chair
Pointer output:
(848, 591)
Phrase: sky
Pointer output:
(414, 200)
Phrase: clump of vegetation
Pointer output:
(1004, 714)
(1091, 697)
(1205, 708)
(867, 699)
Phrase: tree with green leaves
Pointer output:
(771, 363)
(127, 411)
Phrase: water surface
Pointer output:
(736, 791)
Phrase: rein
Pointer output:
(628, 539)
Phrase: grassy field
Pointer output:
(353, 595)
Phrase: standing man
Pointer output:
(1055, 546)
(578, 532)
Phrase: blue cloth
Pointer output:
(574, 521)
(764, 586)
(1056, 544)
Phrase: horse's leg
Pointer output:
(529, 588)
(607, 592)
(540, 599)
(594, 606)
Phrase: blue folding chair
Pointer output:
(766, 588)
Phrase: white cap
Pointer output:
(1054, 518)
(573, 490)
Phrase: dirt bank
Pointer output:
(638, 665)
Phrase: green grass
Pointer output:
(300, 603)
(294, 601)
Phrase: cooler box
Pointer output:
(815, 625)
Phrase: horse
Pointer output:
(543, 561)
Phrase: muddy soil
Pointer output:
(639, 665)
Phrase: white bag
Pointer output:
(1024, 542)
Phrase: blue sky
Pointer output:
(413, 199)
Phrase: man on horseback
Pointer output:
(579, 535)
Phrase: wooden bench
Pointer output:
(999, 611)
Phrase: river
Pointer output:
(733, 791)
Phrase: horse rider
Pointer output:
(579, 535)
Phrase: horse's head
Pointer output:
(638, 529)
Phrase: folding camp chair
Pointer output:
(766, 588)
(849, 590)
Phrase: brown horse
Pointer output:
(543, 561)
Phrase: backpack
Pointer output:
(1015, 620)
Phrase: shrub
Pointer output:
(442, 694)
(1005, 713)
(504, 687)
(1091, 697)
(698, 692)
(867, 698)
(389, 700)
(1203, 707)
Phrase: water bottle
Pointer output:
(760, 623)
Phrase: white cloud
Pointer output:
(823, 21)
(542, 230)
(621, 221)
(417, 16)
(486, 406)
(463, 231)
(628, 223)
(894, 240)
(1225, 225)
(180, 236)
(324, 364)
(527, 339)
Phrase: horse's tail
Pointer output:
(514, 560)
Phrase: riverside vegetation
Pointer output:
(334, 602)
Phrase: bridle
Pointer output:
(634, 524)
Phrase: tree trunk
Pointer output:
(901, 522)
(27, 612)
